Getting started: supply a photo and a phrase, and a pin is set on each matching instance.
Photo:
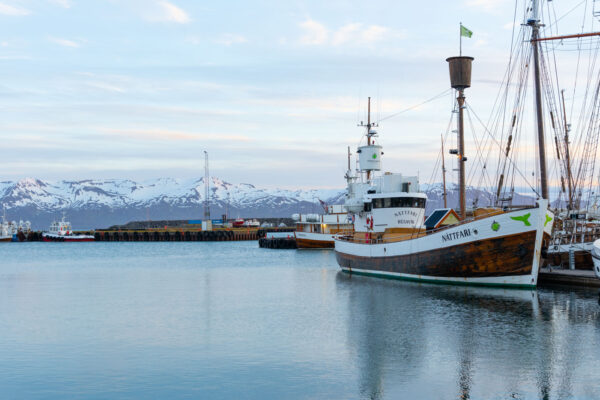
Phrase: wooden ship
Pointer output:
(495, 246)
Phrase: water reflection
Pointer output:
(229, 320)
(407, 337)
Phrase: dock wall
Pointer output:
(171, 235)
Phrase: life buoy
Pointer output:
(371, 222)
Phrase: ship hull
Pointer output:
(308, 240)
(596, 258)
(493, 251)
(67, 238)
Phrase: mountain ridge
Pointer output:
(99, 203)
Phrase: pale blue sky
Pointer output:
(271, 89)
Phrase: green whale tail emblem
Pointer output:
(548, 219)
(523, 218)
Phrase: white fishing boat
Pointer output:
(61, 231)
(495, 246)
(7, 229)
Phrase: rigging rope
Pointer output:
(415, 106)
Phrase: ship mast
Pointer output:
(533, 22)
(444, 175)
(567, 155)
(460, 79)
(370, 133)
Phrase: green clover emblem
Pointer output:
(495, 226)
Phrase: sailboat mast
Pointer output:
(567, 155)
(535, 32)
(444, 175)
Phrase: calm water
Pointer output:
(228, 320)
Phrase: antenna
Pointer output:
(370, 134)
(206, 188)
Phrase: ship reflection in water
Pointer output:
(431, 341)
(227, 320)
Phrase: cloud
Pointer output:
(64, 42)
(317, 34)
(168, 12)
(358, 34)
(6, 9)
(61, 3)
(168, 134)
(106, 87)
(229, 39)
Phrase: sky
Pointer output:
(272, 90)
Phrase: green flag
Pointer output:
(465, 32)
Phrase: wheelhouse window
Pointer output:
(399, 202)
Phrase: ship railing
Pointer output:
(421, 233)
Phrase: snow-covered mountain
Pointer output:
(102, 203)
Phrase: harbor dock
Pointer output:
(184, 235)
(570, 277)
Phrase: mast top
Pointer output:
(534, 19)
(460, 71)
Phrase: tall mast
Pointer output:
(567, 156)
(444, 174)
(533, 22)
(460, 79)
(206, 187)
(461, 152)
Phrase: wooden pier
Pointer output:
(571, 277)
